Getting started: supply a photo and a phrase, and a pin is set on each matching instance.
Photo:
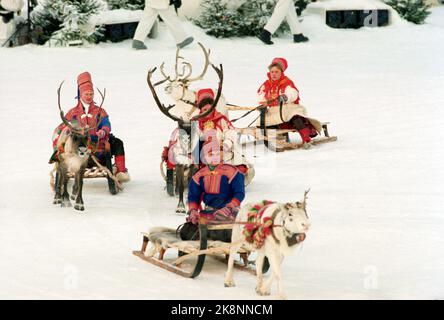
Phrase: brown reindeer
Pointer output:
(73, 159)
(184, 125)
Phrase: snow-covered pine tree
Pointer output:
(63, 21)
(126, 4)
(254, 15)
(415, 11)
(218, 20)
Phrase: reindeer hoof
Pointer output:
(282, 296)
(262, 291)
(57, 201)
(229, 284)
(66, 204)
(80, 207)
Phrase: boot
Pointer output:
(185, 42)
(122, 173)
(305, 135)
(299, 38)
(139, 45)
(265, 37)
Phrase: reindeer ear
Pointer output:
(300, 205)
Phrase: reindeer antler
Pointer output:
(62, 114)
(182, 75)
(103, 95)
(204, 71)
(163, 109)
(304, 203)
(220, 74)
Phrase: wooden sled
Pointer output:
(166, 238)
(276, 139)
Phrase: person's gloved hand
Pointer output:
(101, 134)
(283, 98)
(193, 216)
(227, 213)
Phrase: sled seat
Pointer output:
(167, 238)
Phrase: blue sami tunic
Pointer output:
(216, 188)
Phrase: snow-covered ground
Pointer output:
(376, 200)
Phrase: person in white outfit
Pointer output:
(166, 10)
(284, 9)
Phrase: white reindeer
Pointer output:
(290, 223)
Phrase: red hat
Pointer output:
(204, 93)
(84, 82)
(281, 62)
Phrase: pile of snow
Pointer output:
(116, 16)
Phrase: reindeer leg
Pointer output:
(79, 200)
(236, 236)
(65, 195)
(57, 189)
(280, 285)
(259, 275)
(75, 190)
(275, 265)
(180, 169)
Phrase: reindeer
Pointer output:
(73, 159)
(184, 126)
(290, 223)
(178, 87)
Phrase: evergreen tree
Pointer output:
(62, 21)
(126, 4)
(254, 15)
(415, 11)
(218, 20)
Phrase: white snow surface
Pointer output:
(376, 200)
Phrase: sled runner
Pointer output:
(190, 252)
(278, 138)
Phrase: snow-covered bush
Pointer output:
(126, 4)
(64, 21)
(218, 20)
(254, 16)
(415, 11)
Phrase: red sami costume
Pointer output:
(269, 93)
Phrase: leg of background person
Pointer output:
(175, 26)
(292, 19)
(145, 24)
(279, 13)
